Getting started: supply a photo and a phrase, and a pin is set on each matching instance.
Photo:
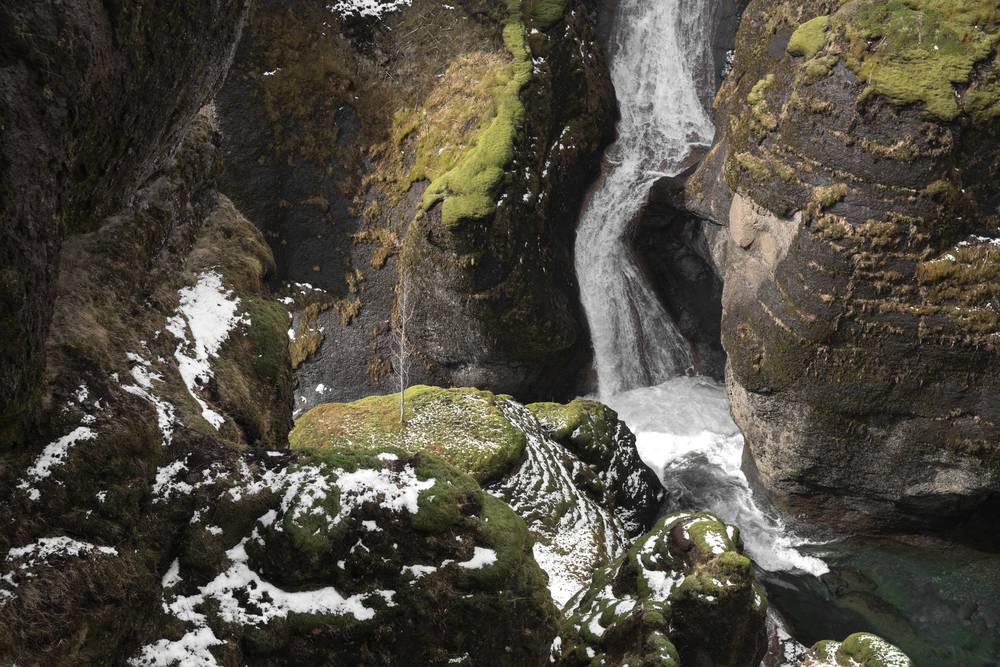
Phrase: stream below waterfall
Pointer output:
(940, 604)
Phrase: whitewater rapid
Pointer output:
(685, 434)
(659, 51)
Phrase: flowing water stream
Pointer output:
(942, 605)
(684, 430)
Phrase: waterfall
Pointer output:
(656, 50)
(660, 54)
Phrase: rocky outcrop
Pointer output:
(682, 594)
(572, 472)
(380, 559)
(93, 97)
(859, 304)
(442, 150)
(594, 434)
(166, 362)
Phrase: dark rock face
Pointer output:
(145, 393)
(358, 118)
(675, 246)
(93, 96)
(859, 304)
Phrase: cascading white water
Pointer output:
(636, 343)
(659, 54)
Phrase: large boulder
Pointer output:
(854, 173)
(442, 151)
(684, 593)
(862, 649)
(583, 501)
(93, 97)
(380, 559)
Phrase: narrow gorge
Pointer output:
(500, 332)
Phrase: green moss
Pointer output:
(268, 334)
(465, 427)
(543, 13)
(817, 68)
(760, 110)
(754, 166)
(586, 427)
(447, 503)
(915, 51)
(827, 196)
(983, 103)
(862, 649)
(809, 38)
(468, 190)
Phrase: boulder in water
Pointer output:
(862, 649)
(684, 593)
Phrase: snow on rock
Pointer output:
(22, 560)
(366, 8)
(573, 534)
(54, 454)
(45, 548)
(480, 559)
(393, 490)
(143, 387)
(191, 650)
(208, 312)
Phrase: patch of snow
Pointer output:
(44, 548)
(166, 485)
(191, 650)
(418, 570)
(480, 558)
(367, 8)
(144, 377)
(208, 311)
(172, 576)
(54, 454)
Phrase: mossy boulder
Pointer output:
(166, 360)
(465, 427)
(862, 649)
(583, 500)
(682, 594)
(593, 432)
(383, 558)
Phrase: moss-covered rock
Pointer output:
(165, 360)
(682, 594)
(860, 649)
(584, 495)
(465, 427)
(593, 432)
(382, 558)
(441, 149)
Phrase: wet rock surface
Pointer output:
(857, 309)
(378, 131)
(93, 97)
